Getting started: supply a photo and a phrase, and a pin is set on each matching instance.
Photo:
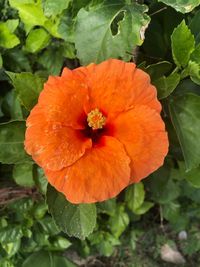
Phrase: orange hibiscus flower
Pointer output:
(96, 129)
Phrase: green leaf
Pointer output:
(119, 221)
(195, 56)
(192, 176)
(23, 174)
(22, 206)
(40, 179)
(11, 106)
(134, 196)
(171, 211)
(16, 60)
(107, 207)
(193, 69)
(12, 248)
(37, 40)
(75, 220)
(12, 24)
(52, 60)
(7, 38)
(96, 39)
(12, 143)
(66, 27)
(166, 85)
(183, 6)
(69, 50)
(146, 206)
(28, 86)
(158, 69)
(46, 259)
(194, 26)
(40, 210)
(30, 13)
(182, 44)
(104, 242)
(10, 234)
(60, 243)
(185, 115)
(53, 8)
(162, 188)
(48, 226)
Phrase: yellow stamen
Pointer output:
(95, 119)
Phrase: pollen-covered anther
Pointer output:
(96, 120)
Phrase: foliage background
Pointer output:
(38, 38)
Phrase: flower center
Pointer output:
(95, 119)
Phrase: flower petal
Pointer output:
(142, 132)
(99, 175)
(51, 144)
(63, 98)
(116, 86)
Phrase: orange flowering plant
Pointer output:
(97, 129)
(100, 122)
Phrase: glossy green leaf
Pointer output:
(37, 40)
(11, 106)
(7, 38)
(53, 8)
(194, 71)
(28, 86)
(66, 27)
(75, 220)
(52, 60)
(183, 6)
(30, 13)
(182, 44)
(119, 221)
(146, 206)
(194, 26)
(185, 115)
(162, 188)
(171, 211)
(192, 176)
(60, 243)
(40, 210)
(104, 241)
(22, 206)
(16, 60)
(40, 179)
(12, 142)
(107, 207)
(23, 174)
(134, 196)
(96, 40)
(69, 50)
(12, 248)
(166, 85)
(193, 68)
(10, 234)
(12, 24)
(195, 56)
(158, 69)
(48, 226)
(46, 259)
